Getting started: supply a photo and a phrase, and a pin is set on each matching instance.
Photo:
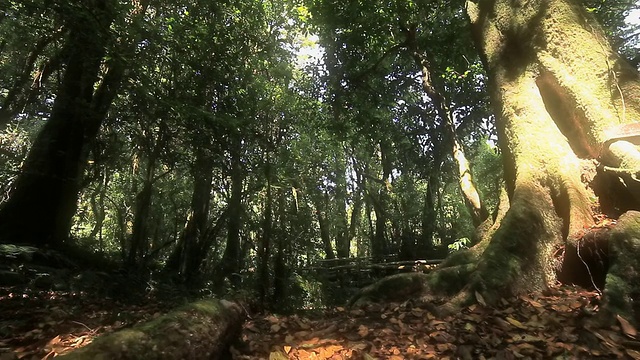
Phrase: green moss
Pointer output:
(622, 286)
(450, 280)
(164, 338)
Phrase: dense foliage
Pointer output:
(242, 142)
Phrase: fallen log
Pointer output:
(200, 330)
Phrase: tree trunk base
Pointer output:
(622, 286)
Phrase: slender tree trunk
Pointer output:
(12, 104)
(140, 232)
(325, 233)
(429, 216)
(379, 245)
(356, 212)
(46, 190)
(97, 206)
(435, 91)
(186, 257)
(230, 264)
(343, 242)
(264, 248)
(280, 268)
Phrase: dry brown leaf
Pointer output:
(531, 302)
(480, 299)
(54, 341)
(363, 331)
(635, 355)
(627, 328)
(287, 349)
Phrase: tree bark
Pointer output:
(186, 259)
(429, 216)
(201, 330)
(556, 85)
(343, 242)
(435, 91)
(229, 266)
(264, 247)
(46, 190)
(321, 214)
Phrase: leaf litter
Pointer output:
(549, 325)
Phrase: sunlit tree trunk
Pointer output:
(556, 87)
(98, 208)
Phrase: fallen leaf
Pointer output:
(635, 355)
(278, 355)
(480, 299)
(627, 328)
(515, 323)
(363, 331)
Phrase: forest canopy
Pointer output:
(243, 145)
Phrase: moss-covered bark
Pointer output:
(622, 286)
(201, 330)
(558, 91)
(555, 88)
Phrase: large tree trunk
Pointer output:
(229, 266)
(43, 199)
(187, 256)
(555, 90)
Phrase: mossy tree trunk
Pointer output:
(43, 199)
(556, 87)
(200, 330)
(559, 94)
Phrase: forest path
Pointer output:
(539, 326)
(41, 325)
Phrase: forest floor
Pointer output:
(41, 325)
